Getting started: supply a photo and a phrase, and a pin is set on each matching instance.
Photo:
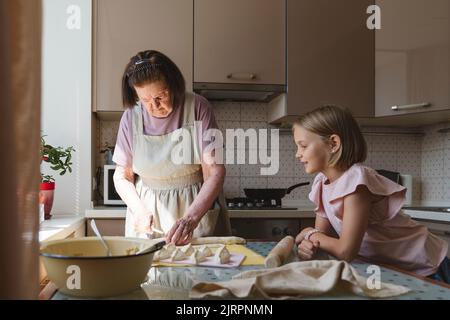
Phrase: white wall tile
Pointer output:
(254, 112)
(432, 163)
(384, 160)
(447, 163)
(233, 170)
(433, 189)
(368, 139)
(287, 142)
(286, 163)
(409, 143)
(409, 163)
(383, 143)
(432, 141)
(280, 182)
(232, 187)
(227, 111)
(253, 125)
(299, 171)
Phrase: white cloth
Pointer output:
(296, 280)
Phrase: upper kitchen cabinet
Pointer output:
(239, 42)
(330, 53)
(125, 27)
(412, 57)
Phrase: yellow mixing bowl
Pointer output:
(80, 267)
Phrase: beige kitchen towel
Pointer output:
(296, 280)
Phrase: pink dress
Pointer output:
(392, 237)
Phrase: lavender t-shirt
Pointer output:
(123, 152)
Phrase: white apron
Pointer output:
(168, 189)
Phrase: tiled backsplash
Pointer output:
(436, 164)
(425, 157)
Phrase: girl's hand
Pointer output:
(143, 222)
(308, 249)
(181, 232)
(301, 236)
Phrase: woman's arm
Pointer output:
(124, 184)
(356, 218)
(213, 176)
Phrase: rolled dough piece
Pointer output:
(218, 240)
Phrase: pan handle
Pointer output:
(288, 190)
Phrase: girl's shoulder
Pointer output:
(360, 175)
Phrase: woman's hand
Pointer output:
(143, 222)
(182, 230)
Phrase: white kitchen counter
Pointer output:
(429, 215)
(59, 227)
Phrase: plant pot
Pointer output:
(47, 192)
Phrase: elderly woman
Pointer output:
(181, 200)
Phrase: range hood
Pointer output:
(238, 92)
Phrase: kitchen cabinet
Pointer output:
(330, 54)
(412, 57)
(440, 229)
(239, 41)
(123, 28)
(107, 227)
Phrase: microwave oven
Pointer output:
(110, 195)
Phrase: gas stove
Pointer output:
(254, 204)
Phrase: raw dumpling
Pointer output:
(170, 247)
(177, 255)
(188, 250)
(161, 255)
(197, 257)
(222, 255)
(206, 251)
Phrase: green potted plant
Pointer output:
(59, 159)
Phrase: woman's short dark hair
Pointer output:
(151, 66)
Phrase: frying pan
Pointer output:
(271, 193)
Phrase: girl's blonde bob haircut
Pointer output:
(328, 120)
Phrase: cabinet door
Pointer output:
(330, 56)
(235, 39)
(107, 227)
(125, 27)
(412, 57)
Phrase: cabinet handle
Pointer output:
(410, 106)
(242, 76)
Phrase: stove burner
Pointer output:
(254, 204)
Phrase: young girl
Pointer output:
(362, 207)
